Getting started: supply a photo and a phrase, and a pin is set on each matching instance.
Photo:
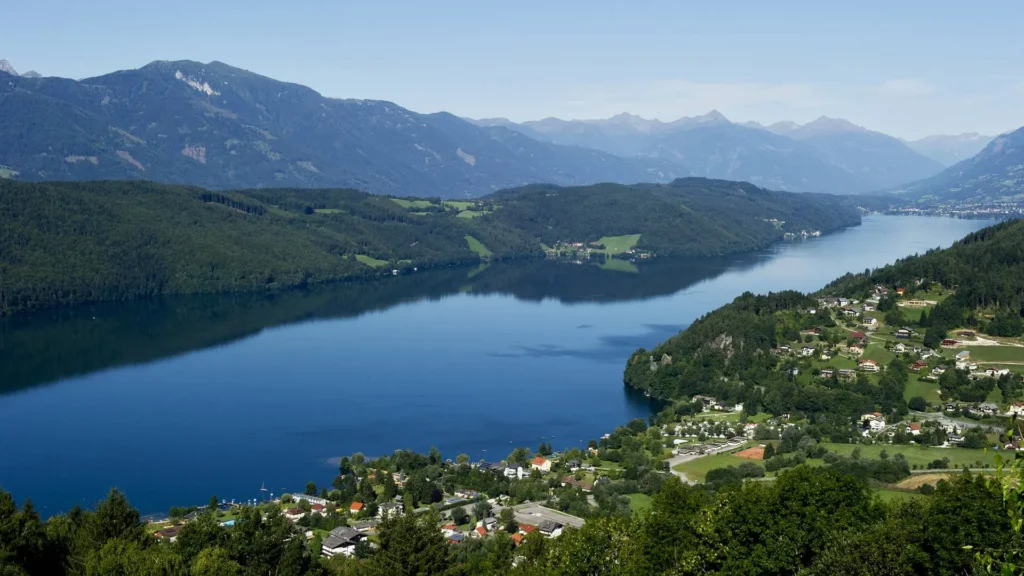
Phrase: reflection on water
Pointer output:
(175, 399)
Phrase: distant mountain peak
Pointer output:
(31, 74)
(825, 124)
(6, 66)
(783, 127)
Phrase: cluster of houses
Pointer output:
(547, 523)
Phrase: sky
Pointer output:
(910, 68)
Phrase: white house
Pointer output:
(541, 463)
(1017, 409)
(876, 425)
(388, 509)
(807, 351)
(899, 348)
(868, 366)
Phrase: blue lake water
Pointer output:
(176, 399)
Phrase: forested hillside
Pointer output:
(67, 243)
(689, 216)
(984, 273)
(747, 351)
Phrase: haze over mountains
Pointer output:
(996, 174)
(221, 127)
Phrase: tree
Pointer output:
(482, 510)
(769, 451)
(215, 562)
(460, 516)
(918, 404)
(410, 544)
(507, 518)
(435, 456)
(212, 505)
(311, 489)
(462, 458)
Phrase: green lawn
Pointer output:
(927, 390)
(913, 315)
(477, 247)
(459, 204)
(920, 455)
(995, 396)
(469, 214)
(616, 265)
(327, 210)
(699, 468)
(371, 262)
(996, 353)
(639, 502)
(878, 353)
(618, 244)
(412, 203)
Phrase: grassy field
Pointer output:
(699, 468)
(409, 204)
(618, 244)
(616, 265)
(327, 210)
(927, 390)
(913, 314)
(920, 455)
(469, 214)
(477, 247)
(996, 353)
(459, 204)
(876, 351)
(639, 502)
(371, 262)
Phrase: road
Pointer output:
(962, 423)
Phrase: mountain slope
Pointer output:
(949, 149)
(994, 174)
(222, 127)
(70, 242)
(878, 160)
(827, 155)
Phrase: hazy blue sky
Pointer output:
(911, 68)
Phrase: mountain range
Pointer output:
(222, 127)
(827, 155)
(994, 174)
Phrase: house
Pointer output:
(827, 373)
(749, 429)
(869, 308)
(939, 370)
(738, 407)
(914, 429)
(868, 366)
(456, 538)
(449, 529)
(854, 350)
(388, 509)
(849, 312)
(859, 336)
(479, 532)
(517, 539)
(968, 334)
(847, 373)
(914, 303)
(320, 508)
(949, 343)
(807, 351)
(366, 527)
(341, 540)
(963, 355)
(876, 425)
(900, 291)
(988, 408)
(294, 513)
(550, 528)
(899, 348)
(467, 494)
(1017, 409)
(903, 333)
(170, 533)
(541, 463)
(356, 507)
(996, 372)
(525, 529)
(585, 486)
(918, 365)
(871, 322)
(825, 356)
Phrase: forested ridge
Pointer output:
(66, 243)
(984, 271)
(688, 216)
(733, 352)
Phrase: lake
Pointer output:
(173, 400)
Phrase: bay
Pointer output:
(175, 399)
